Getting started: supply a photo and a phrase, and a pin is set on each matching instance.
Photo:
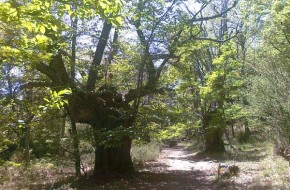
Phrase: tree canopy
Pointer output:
(109, 72)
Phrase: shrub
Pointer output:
(142, 152)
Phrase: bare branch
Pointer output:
(91, 82)
(146, 59)
(141, 92)
(161, 67)
(200, 10)
(276, 48)
(214, 16)
(162, 56)
(55, 71)
(215, 40)
(30, 85)
(159, 20)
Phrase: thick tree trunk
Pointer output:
(214, 139)
(114, 160)
(106, 112)
(213, 136)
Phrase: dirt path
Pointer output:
(180, 159)
(178, 169)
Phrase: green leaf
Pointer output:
(42, 29)
(55, 94)
(28, 26)
(65, 91)
(47, 4)
(54, 28)
(67, 7)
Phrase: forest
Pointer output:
(107, 94)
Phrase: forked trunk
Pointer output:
(106, 112)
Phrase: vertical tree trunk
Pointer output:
(114, 160)
(112, 153)
(76, 143)
(247, 131)
(213, 136)
(214, 140)
(233, 128)
(26, 155)
(62, 132)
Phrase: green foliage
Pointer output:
(45, 138)
(142, 152)
(203, 81)
(39, 25)
(268, 89)
(56, 100)
(113, 137)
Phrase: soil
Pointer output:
(176, 169)
(181, 168)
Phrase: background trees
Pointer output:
(138, 69)
(269, 79)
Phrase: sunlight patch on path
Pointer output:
(179, 159)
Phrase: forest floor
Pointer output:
(180, 168)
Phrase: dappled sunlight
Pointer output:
(180, 159)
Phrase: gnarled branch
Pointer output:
(91, 83)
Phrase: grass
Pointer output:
(38, 174)
(274, 171)
(52, 174)
(145, 152)
(259, 168)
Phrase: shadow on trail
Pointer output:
(178, 168)
(173, 180)
(253, 155)
(172, 171)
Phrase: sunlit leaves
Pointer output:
(56, 99)
(175, 131)
(39, 25)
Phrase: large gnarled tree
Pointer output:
(159, 27)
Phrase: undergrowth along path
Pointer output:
(179, 168)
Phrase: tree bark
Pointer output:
(114, 160)
(213, 136)
(61, 134)
(214, 140)
(26, 155)
(91, 82)
(106, 111)
(76, 142)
